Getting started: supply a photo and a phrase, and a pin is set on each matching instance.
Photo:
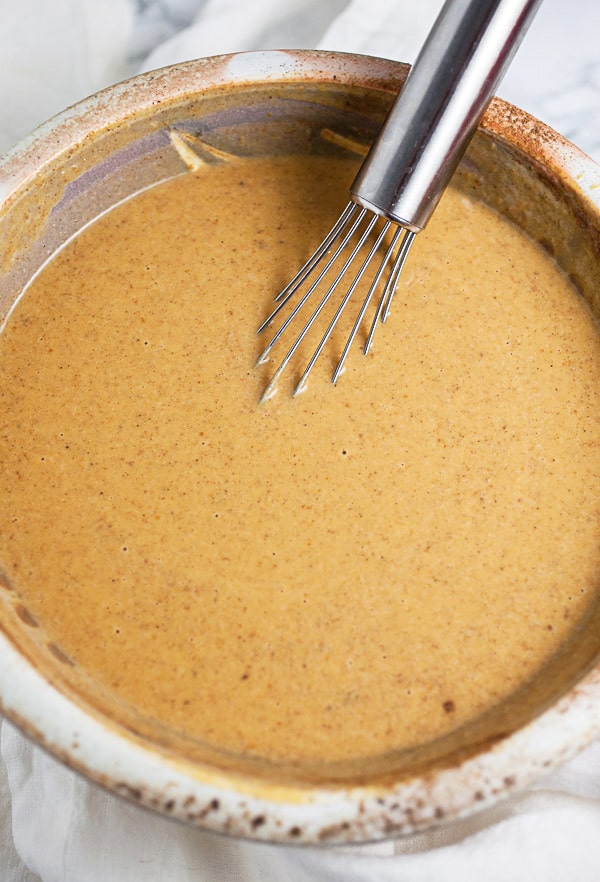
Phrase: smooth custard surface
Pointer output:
(360, 569)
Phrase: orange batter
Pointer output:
(359, 569)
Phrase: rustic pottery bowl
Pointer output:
(120, 141)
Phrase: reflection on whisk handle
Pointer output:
(439, 107)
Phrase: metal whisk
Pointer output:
(406, 170)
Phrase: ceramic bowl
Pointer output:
(117, 142)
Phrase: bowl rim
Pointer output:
(179, 789)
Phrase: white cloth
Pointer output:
(57, 827)
(67, 830)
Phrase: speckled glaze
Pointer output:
(118, 141)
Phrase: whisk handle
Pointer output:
(439, 107)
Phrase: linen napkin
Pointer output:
(54, 825)
(67, 830)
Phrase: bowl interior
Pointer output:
(124, 149)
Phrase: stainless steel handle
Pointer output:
(439, 107)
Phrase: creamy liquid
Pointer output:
(359, 569)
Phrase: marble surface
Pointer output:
(55, 53)
(556, 73)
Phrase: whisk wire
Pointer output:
(385, 301)
(337, 230)
(390, 289)
(348, 233)
(270, 389)
(374, 248)
(314, 260)
(376, 280)
(289, 291)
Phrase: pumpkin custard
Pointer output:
(357, 570)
